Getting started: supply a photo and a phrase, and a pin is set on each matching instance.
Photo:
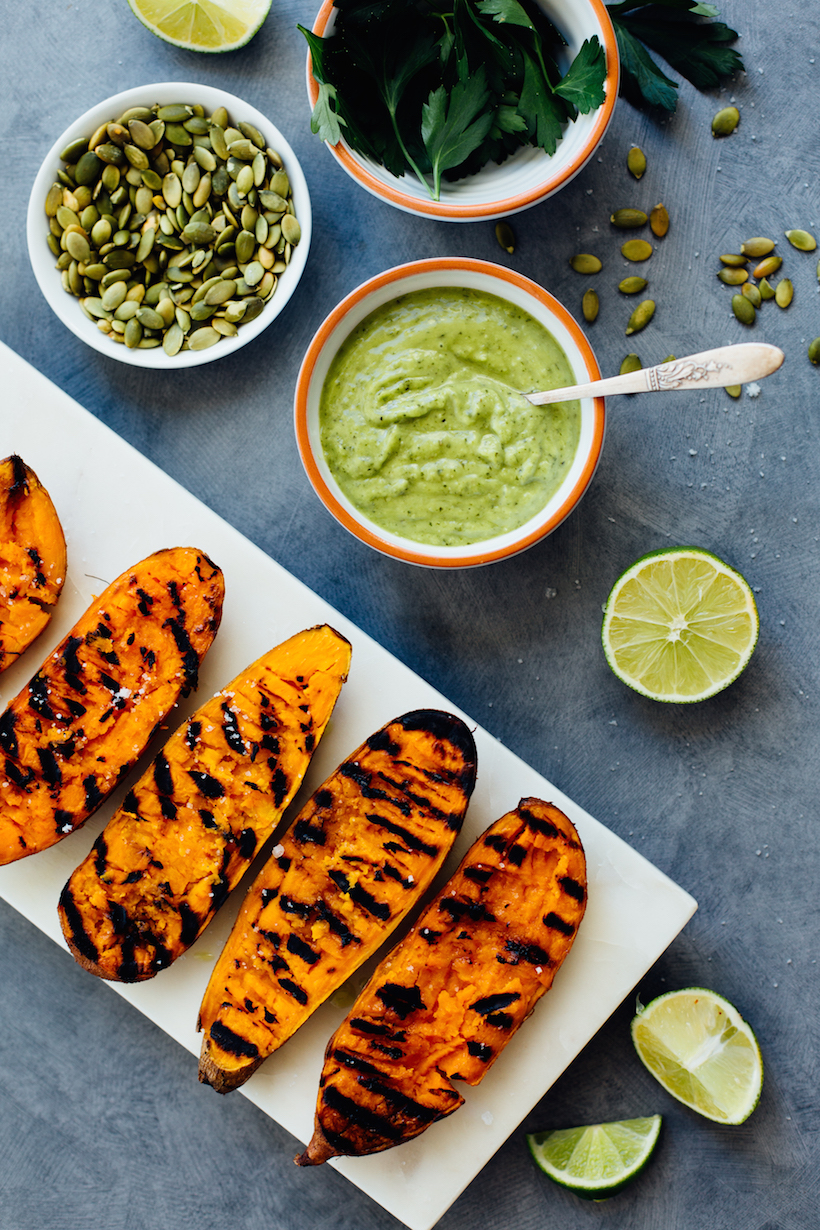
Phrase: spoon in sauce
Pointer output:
(712, 369)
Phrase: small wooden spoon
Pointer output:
(713, 369)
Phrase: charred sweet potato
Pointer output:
(448, 998)
(32, 558)
(187, 831)
(359, 855)
(77, 727)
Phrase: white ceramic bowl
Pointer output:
(423, 275)
(43, 261)
(524, 179)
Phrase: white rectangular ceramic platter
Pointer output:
(117, 508)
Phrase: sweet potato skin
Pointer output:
(80, 723)
(190, 826)
(32, 558)
(361, 853)
(446, 1000)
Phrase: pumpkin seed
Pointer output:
(734, 390)
(743, 310)
(631, 363)
(733, 277)
(814, 351)
(506, 236)
(783, 293)
(757, 247)
(802, 240)
(769, 264)
(625, 219)
(583, 262)
(734, 260)
(291, 229)
(203, 338)
(590, 306)
(632, 286)
(636, 161)
(752, 293)
(659, 220)
(640, 317)
(766, 290)
(636, 250)
(725, 121)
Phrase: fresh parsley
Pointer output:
(439, 88)
(697, 49)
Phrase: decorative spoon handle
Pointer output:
(713, 369)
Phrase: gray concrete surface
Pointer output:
(102, 1122)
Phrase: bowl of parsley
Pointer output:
(462, 110)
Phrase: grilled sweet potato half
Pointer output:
(32, 558)
(360, 854)
(445, 1001)
(187, 831)
(77, 727)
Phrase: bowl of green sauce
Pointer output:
(410, 419)
(462, 112)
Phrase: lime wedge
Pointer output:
(202, 25)
(679, 625)
(597, 1161)
(702, 1051)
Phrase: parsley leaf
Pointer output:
(583, 86)
(454, 124)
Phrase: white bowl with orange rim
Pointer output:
(425, 275)
(528, 176)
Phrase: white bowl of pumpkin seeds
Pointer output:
(169, 225)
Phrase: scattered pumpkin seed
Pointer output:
(802, 240)
(144, 217)
(590, 306)
(636, 161)
(783, 293)
(670, 358)
(725, 121)
(757, 247)
(640, 317)
(733, 277)
(766, 289)
(626, 219)
(814, 351)
(734, 390)
(734, 260)
(631, 363)
(506, 236)
(636, 250)
(659, 220)
(769, 264)
(632, 285)
(752, 293)
(743, 310)
(582, 262)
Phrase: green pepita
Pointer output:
(752, 293)
(626, 219)
(203, 338)
(734, 390)
(659, 220)
(769, 264)
(733, 277)
(814, 351)
(734, 260)
(757, 247)
(631, 363)
(783, 293)
(766, 289)
(590, 306)
(641, 316)
(583, 262)
(505, 235)
(802, 240)
(725, 121)
(636, 161)
(743, 310)
(636, 250)
(291, 229)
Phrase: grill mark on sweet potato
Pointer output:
(459, 985)
(336, 885)
(202, 808)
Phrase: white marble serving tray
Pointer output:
(116, 508)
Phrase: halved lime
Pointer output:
(596, 1161)
(679, 625)
(203, 25)
(702, 1051)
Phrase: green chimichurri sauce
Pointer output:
(422, 425)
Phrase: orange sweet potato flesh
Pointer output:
(32, 558)
(442, 1005)
(77, 727)
(189, 828)
(360, 854)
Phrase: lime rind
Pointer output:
(701, 1050)
(202, 25)
(679, 625)
(598, 1160)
